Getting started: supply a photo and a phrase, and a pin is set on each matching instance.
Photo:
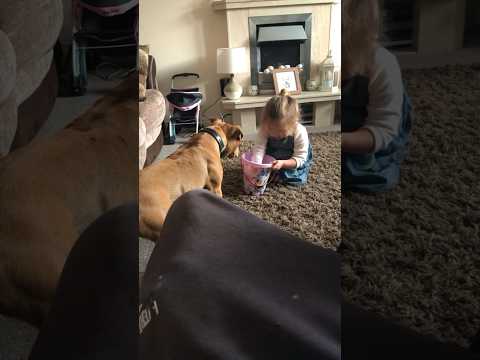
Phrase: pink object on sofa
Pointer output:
(151, 114)
(142, 148)
(152, 111)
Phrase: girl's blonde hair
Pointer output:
(360, 33)
(281, 111)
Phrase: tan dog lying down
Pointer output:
(195, 165)
(53, 188)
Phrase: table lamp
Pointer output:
(231, 61)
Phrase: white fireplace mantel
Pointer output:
(249, 4)
(325, 27)
(238, 13)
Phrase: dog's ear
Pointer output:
(237, 134)
(214, 122)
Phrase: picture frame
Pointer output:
(288, 79)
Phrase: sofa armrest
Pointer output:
(152, 111)
(33, 26)
(8, 67)
(142, 138)
(153, 151)
(152, 73)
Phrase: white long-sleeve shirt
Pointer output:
(300, 145)
(385, 99)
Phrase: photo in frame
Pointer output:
(287, 79)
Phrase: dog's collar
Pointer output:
(217, 137)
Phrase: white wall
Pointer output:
(183, 35)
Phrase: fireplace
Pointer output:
(260, 26)
(247, 20)
(279, 40)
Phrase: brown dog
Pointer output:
(53, 188)
(195, 165)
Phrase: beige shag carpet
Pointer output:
(413, 254)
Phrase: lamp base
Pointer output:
(233, 90)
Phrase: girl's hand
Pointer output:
(284, 164)
(278, 164)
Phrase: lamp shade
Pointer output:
(231, 60)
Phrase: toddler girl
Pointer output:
(376, 113)
(284, 138)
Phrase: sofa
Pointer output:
(28, 33)
(152, 110)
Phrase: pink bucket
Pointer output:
(255, 175)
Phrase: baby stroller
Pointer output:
(184, 105)
(107, 25)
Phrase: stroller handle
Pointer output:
(185, 75)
